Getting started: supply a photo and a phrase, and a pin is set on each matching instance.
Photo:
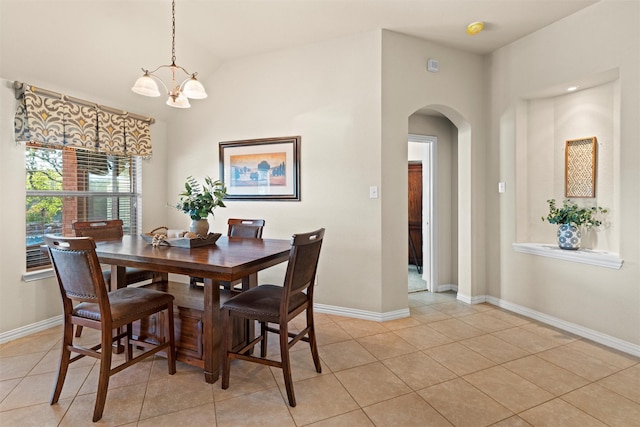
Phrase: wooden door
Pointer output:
(415, 211)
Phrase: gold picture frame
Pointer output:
(580, 168)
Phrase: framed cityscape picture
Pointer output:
(261, 169)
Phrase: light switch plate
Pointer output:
(373, 192)
(502, 187)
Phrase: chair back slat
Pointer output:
(77, 268)
(303, 262)
(102, 230)
(245, 228)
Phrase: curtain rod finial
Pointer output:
(18, 87)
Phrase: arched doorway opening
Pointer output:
(433, 142)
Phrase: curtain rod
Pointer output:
(19, 88)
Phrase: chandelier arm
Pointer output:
(185, 71)
(170, 66)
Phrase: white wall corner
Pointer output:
(446, 287)
(479, 299)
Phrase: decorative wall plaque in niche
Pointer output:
(580, 168)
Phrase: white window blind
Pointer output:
(64, 185)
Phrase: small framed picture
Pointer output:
(580, 168)
(261, 169)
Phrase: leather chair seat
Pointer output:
(127, 304)
(263, 303)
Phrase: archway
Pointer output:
(441, 239)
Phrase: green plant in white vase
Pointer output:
(199, 201)
(570, 217)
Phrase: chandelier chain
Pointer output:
(173, 31)
(179, 91)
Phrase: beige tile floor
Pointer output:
(448, 364)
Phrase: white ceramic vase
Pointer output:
(569, 237)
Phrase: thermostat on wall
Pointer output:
(432, 65)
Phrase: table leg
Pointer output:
(159, 276)
(118, 280)
(248, 282)
(211, 330)
(118, 277)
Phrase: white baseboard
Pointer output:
(581, 331)
(446, 287)
(30, 329)
(361, 314)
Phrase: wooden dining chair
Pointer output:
(103, 231)
(245, 228)
(242, 228)
(107, 230)
(278, 305)
(78, 272)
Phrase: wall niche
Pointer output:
(586, 123)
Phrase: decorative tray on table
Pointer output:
(158, 237)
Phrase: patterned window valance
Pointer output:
(59, 120)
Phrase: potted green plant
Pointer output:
(198, 201)
(570, 217)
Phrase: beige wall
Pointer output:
(21, 303)
(329, 94)
(457, 92)
(595, 298)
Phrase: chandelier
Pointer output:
(179, 93)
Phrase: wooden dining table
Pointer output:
(227, 259)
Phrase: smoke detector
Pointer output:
(474, 28)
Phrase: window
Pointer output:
(82, 163)
(64, 185)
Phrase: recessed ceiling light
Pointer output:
(474, 28)
(572, 88)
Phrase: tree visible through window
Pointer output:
(64, 185)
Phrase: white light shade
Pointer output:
(193, 89)
(180, 102)
(146, 86)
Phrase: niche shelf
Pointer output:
(585, 256)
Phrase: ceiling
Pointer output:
(78, 40)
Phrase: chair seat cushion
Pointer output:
(133, 275)
(127, 304)
(262, 303)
